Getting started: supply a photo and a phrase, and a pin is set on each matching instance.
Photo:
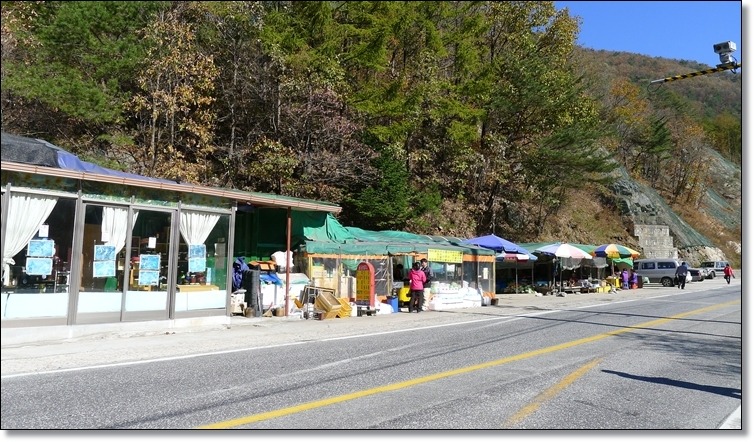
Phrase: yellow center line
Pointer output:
(550, 393)
(446, 374)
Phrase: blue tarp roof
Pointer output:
(496, 243)
(69, 161)
(42, 153)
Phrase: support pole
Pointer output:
(719, 68)
(288, 256)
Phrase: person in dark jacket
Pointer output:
(239, 265)
(398, 273)
(680, 274)
(427, 272)
(430, 276)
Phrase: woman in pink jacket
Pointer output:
(416, 278)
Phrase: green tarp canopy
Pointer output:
(318, 227)
(326, 235)
(627, 261)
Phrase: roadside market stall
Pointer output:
(567, 255)
(515, 259)
(617, 254)
(331, 254)
(508, 252)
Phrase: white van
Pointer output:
(660, 270)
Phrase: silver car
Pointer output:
(698, 274)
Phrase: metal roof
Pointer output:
(254, 198)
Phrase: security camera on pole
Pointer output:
(725, 49)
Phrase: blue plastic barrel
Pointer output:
(394, 303)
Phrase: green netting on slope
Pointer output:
(719, 208)
(724, 174)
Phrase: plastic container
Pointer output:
(393, 301)
(404, 294)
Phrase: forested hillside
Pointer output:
(451, 118)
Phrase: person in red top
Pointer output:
(728, 273)
(416, 278)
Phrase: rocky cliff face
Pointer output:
(721, 209)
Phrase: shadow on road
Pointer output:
(730, 392)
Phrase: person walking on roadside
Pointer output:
(680, 273)
(728, 273)
(417, 279)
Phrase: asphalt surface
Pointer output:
(133, 347)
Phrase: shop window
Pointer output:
(202, 261)
(103, 260)
(37, 252)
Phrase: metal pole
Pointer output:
(719, 68)
(288, 256)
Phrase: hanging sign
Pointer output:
(439, 255)
(365, 284)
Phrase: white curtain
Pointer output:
(196, 226)
(570, 263)
(115, 226)
(26, 213)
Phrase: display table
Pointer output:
(444, 297)
(196, 287)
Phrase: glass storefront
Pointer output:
(37, 254)
(149, 265)
(202, 262)
(131, 263)
(103, 263)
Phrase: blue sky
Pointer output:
(680, 30)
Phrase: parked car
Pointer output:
(660, 270)
(714, 268)
(697, 274)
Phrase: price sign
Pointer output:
(439, 255)
(365, 284)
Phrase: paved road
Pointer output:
(244, 333)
